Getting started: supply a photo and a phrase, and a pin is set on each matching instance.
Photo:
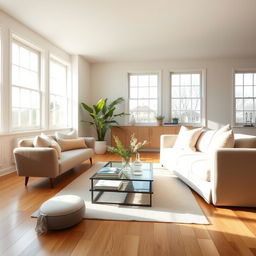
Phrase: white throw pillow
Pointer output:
(204, 140)
(222, 140)
(53, 144)
(70, 135)
(187, 138)
(41, 142)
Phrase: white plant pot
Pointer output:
(100, 147)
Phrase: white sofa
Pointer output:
(223, 177)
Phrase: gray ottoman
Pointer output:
(60, 212)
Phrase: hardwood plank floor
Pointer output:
(232, 230)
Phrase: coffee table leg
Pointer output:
(92, 190)
(150, 190)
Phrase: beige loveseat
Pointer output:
(223, 177)
(44, 161)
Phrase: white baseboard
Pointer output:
(7, 170)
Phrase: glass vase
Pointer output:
(126, 166)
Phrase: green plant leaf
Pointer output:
(87, 108)
(117, 101)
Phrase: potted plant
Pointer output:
(159, 120)
(175, 120)
(103, 117)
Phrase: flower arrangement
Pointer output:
(126, 153)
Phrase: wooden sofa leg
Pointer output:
(26, 181)
(91, 161)
(52, 182)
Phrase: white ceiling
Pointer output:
(139, 30)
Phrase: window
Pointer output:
(26, 94)
(59, 99)
(143, 97)
(186, 97)
(245, 97)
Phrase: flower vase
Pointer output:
(126, 166)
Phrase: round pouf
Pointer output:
(61, 212)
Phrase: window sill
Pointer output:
(31, 132)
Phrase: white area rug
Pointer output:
(172, 201)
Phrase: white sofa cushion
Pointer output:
(187, 138)
(70, 135)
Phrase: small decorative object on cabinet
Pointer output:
(159, 120)
(175, 120)
(132, 120)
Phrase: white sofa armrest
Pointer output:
(234, 176)
(167, 140)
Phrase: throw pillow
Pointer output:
(40, 142)
(70, 135)
(187, 138)
(53, 143)
(204, 140)
(69, 144)
(222, 140)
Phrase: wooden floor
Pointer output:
(232, 231)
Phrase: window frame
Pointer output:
(22, 43)
(241, 71)
(202, 72)
(53, 58)
(159, 91)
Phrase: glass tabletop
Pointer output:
(147, 172)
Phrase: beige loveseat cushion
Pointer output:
(70, 135)
(69, 144)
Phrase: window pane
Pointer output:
(143, 80)
(248, 79)
(58, 110)
(24, 57)
(239, 104)
(133, 92)
(153, 92)
(195, 79)
(187, 88)
(175, 80)
(15, 54)
(239, 79)
(133, 81)
(25, 74)
(239, 91)
(248, 91)
(143, 97)
(195, 91)
(185, 79)
(248, 104)
(153, 80)
(239, 117)
(143, 92)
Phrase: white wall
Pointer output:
(9, 25)
(81, 93)
(110, 80)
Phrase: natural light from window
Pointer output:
(59, 99)
(143, 97)
(245, 98)
(26, 95)
(186, 97)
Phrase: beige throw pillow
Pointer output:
(53, 144)
(204, 140)
(69, 144)
(187, 138)
(70, 135)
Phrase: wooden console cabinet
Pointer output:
(150, 133)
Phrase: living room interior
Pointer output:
(183, 75)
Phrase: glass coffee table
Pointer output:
(136, 190)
